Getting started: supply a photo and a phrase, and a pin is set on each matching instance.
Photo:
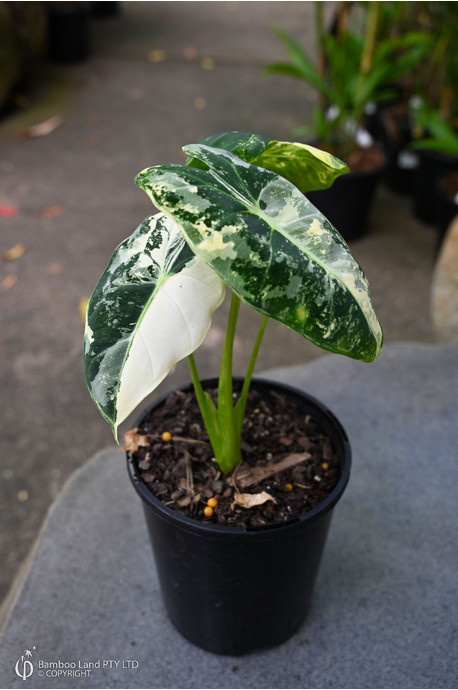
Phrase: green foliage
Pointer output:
(307, 167)
(231, 217)
(438, 134)
(353, 71)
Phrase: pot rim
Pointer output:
(265, 531)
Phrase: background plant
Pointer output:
(438, 134)
(437, 87)
(352, 69)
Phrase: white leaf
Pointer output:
(152, 307)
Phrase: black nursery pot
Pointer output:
(68, 31)
(433, 165)
(235, 590)
(347, 203)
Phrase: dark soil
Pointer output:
(182, 473)
(361, 159)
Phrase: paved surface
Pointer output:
(385, 604)
(161, 75)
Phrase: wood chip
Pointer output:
(247, 476)
(183, 502)
(183, 483)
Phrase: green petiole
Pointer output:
(224, 422)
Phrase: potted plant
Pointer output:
(232, 216)
(438, 158)
(354, 72)
(430, 112)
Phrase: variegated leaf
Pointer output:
(307, 167)
(151, 308)
(271, 246)
(242, 144)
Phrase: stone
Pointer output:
(444, 289)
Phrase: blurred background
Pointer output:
(92, 93)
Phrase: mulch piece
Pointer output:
(183, 474)
(362, 159)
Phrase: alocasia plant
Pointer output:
(235, 216)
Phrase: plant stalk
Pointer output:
(370, 38)
(229, 453)
(321, 55)
(206, 404)
(241, 403)
(224, 422)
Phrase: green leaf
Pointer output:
(302, 67)
(285, 70)
(442, 137)
(271, 246)
(151, 308)
(243, 144)
(307, 167)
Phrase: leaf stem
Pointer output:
(206, 404)
(229, 453)
(241, 403)
(225, 374)
(224, 422)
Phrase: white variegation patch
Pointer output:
(220, 244)
(172, 326)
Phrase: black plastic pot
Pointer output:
(104, 10)
(400, 172)
(395, 133)
(432, 166)
(68, 31)
(234, 590)
(347, 203)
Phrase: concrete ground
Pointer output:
(162, 74)
(385, 604)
